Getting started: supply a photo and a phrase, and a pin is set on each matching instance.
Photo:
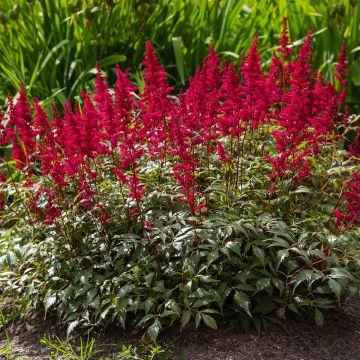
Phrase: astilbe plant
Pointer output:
(236, 196)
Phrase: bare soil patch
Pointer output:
(339, 339)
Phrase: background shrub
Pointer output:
(52, 46)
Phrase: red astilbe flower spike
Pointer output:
(71, 140)
(23, 122)
(10, 135)
(41, 124)
(341, 67)
(19, 126)
(230, 122)
(193, 125)
(91, 126)
(105, 107)
(202, 100)
(351, 215)
(296, 115)
(102, 96)
(324, 108)
(285, 40)
(58, 126)
(297, 101)
(136, 191)
(155, 104)
(222, 153)
(124, 101)
(275, 81)
(3, 130)
(340, 73)
(256, 101)
(46, 146)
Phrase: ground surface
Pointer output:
(338, 339)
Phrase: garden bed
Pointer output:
(339, 338)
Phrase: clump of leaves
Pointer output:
(153, 211)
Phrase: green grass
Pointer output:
(52, 45)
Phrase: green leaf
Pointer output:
(197, 319)
(177, 45)
(209, 321)
(338, 273)
(303, 189)
(148, 304)
(262, 283)
(49, 301)
(112, 59)
(259, 253)
(335, 287)
(212, 256)
(154, 330)
(302, 276)
(243, 301)
(185, 318)
(234, 246)
(319, 318)
(144, 319)
(71, 327)
(282, 254)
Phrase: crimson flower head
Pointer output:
(285, 41)
(341, 67)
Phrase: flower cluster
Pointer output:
(215, 118)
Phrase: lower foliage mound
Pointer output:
(234, 198)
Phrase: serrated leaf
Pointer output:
(185, 318)
(49, 301)
(262, 283)
(71, 327)
(212, 256)
(303, 189)
(337, 273)
(105, 312)
(242, 300)
(335, 287)
(302, 276)
(282, 254)
(259, 253)
(209, 321)
(234, 246)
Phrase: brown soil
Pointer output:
(339, 339)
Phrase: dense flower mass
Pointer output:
(218, 115)
(241, 194)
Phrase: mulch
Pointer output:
(338, 339)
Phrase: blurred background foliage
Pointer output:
(52, 45)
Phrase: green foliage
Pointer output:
(52, 46)
(259, 254)
(133, 352)
(63, 350)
